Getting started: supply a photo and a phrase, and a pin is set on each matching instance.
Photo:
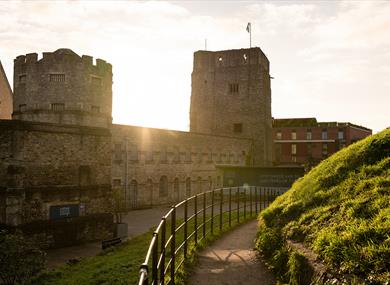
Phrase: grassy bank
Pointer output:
(340, 210)
(120, 265)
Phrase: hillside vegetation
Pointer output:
(341, 211)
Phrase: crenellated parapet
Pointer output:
(64, 88)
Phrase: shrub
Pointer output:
(20, 258)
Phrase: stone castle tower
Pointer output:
(231, 95)
(62, 88)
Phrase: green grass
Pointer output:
(120, 264)
(341, 210)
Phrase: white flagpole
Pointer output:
(250, 35)
(249, 30)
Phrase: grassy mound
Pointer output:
(340, 210)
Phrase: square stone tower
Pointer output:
(231, 95)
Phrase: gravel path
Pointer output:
(232, 260)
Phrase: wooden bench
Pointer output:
(110, 242)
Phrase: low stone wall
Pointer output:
(69, 231)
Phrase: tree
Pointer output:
(20, 258)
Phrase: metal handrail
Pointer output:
(163, 271)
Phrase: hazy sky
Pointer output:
(330, 59)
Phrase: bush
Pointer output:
(20, 258)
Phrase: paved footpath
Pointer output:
(232, 260)
(139, 221)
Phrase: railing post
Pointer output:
(244, 202)
(230, 207)
(212, 213)
(196, 219)
(144, 269)
(264, 199)
(256, 208)
(220, 211)
(173, 244)
(267, 197)
(204, 214)
(155, 259)
(185, 227)
(162, 265)
(250, 198)
(238, 204)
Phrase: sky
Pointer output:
(329, 59)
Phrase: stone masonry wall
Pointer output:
(162, 166)
(43, 165)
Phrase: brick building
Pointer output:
(304, 141)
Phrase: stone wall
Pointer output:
(154, 166)
(44, 165)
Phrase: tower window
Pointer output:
(22, 78)
(95, 109)
(57, 106)
(96, 81)
(237, 128)
(22, 107)
(57, 77)
(233, 88)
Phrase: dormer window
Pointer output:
(57, 77)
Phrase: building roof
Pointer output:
(311, 122)
(294, 122)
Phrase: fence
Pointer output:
(192, 220)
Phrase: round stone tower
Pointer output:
(62, 88)
(231, 96)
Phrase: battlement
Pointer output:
(62, 55)
(229, 58)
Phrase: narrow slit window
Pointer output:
(233, 88)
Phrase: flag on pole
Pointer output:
(248, 28)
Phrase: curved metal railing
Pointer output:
(194, 218)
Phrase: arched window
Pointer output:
(163, 187)
(188, 187)
(176, 192)
(149, 190)
(133, 193)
